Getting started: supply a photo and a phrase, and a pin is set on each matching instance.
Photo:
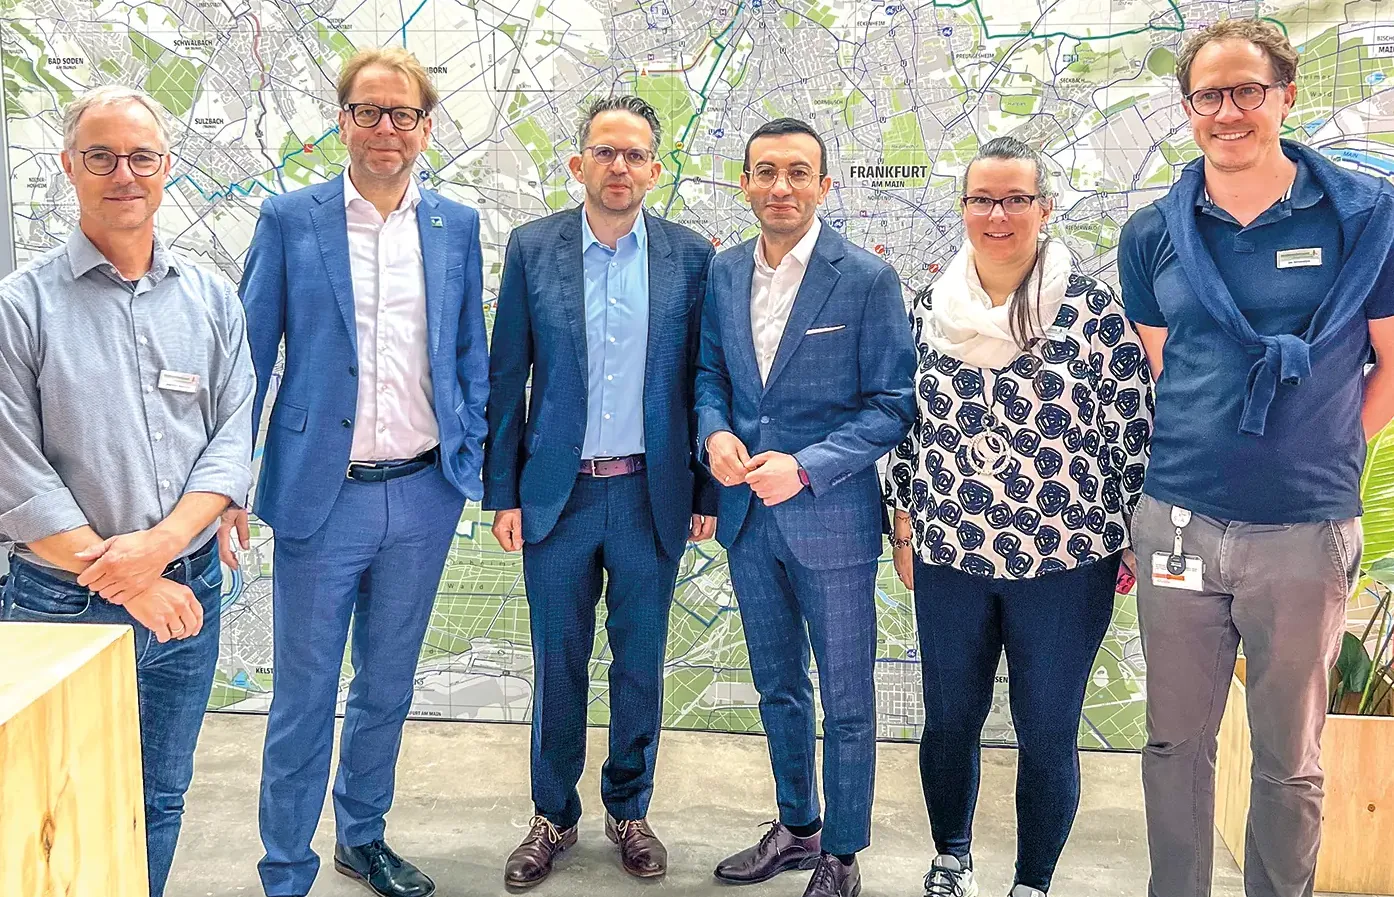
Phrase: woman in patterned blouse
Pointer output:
(1011, 496)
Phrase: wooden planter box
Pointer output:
(1358, 815)
(72, 813)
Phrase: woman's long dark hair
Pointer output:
(1026, 324)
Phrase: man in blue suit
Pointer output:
(595, 474)
(804, 381)
(375, 442)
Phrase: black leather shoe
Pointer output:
(378, 866)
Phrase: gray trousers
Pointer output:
(1282, 591)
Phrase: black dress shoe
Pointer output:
(378, 866)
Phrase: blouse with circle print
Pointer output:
(1035, 467)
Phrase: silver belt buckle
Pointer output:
(595, 470)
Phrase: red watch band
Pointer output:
(803, 476)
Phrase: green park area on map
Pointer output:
(903, 95)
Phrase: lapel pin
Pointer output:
(436, 221)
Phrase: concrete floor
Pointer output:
(462, 805)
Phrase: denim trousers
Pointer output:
(173, 681)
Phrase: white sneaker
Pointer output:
(1024, 891)
(950, 877)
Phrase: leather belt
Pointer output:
(612, 467)
(191, 565)
(382, 471)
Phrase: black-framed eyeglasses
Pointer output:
(143, 163)
(1246, 97)
(634, 156)
(766, 176)
(367, 115)
(1016, 204)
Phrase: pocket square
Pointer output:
(817, 330)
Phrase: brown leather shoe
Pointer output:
(832, 879)
(641, 853)
(531, 861)
(777, 851)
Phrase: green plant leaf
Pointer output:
(1354, 663)
(1382, 571)
(1377, 495)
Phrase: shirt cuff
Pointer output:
(233, 481)
(42, 516)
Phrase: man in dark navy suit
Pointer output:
(595, 474)
(805, 380)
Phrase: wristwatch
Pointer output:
(803, 476)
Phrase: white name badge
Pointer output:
(1299, 258)
(177, 382)
(1056, 333)
(1186, 575)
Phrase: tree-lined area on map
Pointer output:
(903, 93)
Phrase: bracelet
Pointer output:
(900, 543)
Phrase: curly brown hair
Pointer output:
(1265, 35)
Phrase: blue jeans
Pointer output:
(173, 680)
(1051, 627)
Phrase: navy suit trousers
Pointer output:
(605, 533)
(786, 608)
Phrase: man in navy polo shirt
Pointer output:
(1258, 284)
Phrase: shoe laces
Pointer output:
(941, 882)
(825, 873)
(625, 826)
(543, 828)
(380, 856)
(768, 837)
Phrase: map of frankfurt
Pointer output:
(903, 93)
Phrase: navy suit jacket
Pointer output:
(840, 394)
(297, 285)
(533, 453)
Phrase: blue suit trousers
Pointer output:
(786, 609)
(377, 560)
(606, 528)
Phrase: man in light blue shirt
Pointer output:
(592, 475)
(126, 390)
(617, 340)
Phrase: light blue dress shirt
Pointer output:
(617, 340)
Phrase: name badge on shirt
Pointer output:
(174, 381)
(1299, 258)
(1057, 334)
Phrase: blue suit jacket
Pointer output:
(534, 449)
(297, 285)
(840, 394)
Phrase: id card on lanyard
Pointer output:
(1176, 569)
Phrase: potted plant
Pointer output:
(1358, 813)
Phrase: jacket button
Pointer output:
(764, 419)
(348, 424)
(353, 370)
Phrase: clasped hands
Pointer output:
(772, 476)
(128, 570)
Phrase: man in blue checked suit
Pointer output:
(804, 381)
(374, 443)
(594, 475)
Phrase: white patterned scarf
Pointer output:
(963, 322)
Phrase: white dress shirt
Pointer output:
(772, 294)
(396, 417)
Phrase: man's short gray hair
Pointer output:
(112, 95)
